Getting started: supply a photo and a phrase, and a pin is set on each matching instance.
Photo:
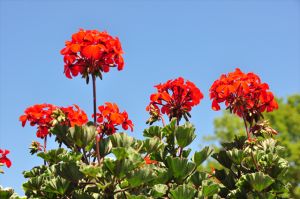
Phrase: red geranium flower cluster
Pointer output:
(4, 159)
(176, 98)
(91, 52)
(39, 114)
(109, 117)
(44, 116)
(74, 116)
(244, 94)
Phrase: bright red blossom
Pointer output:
(92, 52)
(110, 117)
(148, 160)
(176, 98)
(40, 115)
(75, 116)
(4, 159)
(244, 94)
(43, 115)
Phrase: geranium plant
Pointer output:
(93, 159)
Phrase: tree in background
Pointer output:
(285, 120)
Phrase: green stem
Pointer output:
(249, 138)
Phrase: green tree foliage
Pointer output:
(285, 120)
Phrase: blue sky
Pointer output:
(198, 40)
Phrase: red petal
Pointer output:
(215, 105)
(75, 48)
(92, 51)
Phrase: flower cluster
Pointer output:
(91, 52)
(46, 116)
(109, 117)
(243, 94)
(176, 98)
(39, 114)
(74, 116)
(4, 159)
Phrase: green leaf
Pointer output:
(120, 152)
(180, 167)
(201, 156)
(236, 155)
(140, 176)
(52, 156)
(110, 164)
(226, 178)
(223, 159)
(153, 145)
(82, 136)
(238, 143)
(105, 147)
(186, 153)
(121, 140)
(209, 189)
(68, 170)
(198, 177)
(35, 171)
(79, 194)
(34, 184)
(127, 153)
(137, 197)
(57, 155)
(57, 185)
(91, 171)
(6, 193)
(182, 192)
(170, 128)
(61, 132)
(163, 176)
(153, 131)
(258, 181)
(185, 134)
(123, 166)
(159, 190)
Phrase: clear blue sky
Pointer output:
(198, 40)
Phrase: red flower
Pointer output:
(75, 116)
(4, 159)
(149, 161)
(176, 98)
(39, 114)
(45, 116)
(109, 117)
(243, 94)
(92, 52)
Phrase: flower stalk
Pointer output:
(249, 139)
(95, 118)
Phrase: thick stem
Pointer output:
(180, 152)
(246, 127)
(95, 117)
(45, 146)
(85, 156)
